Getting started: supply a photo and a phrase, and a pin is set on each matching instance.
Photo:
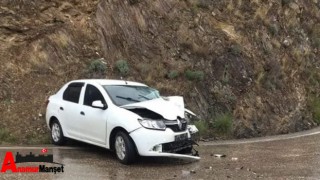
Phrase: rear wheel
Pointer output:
(56, 133)
(124, 148)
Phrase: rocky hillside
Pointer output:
(257, 62)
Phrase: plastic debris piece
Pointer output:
(234, 159)
(219, 155)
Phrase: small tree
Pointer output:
(122, 67)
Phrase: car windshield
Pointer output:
(123, 95)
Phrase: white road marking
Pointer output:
(311, 132)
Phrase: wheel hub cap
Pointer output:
(55, 132)
(120, 148)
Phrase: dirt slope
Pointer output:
(259, 59)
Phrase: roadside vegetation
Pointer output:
(194, 75)
(122, 67)
(219, 127)
(6, 136)
(36, 139)
(173, 74)
(314, 105)
(222, 123)
(97, 68)
(203, 128)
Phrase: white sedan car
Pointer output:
(129, 118)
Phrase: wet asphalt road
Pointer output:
(294, 156)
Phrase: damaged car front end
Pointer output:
(165, 128)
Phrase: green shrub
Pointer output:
(202, 127)
(122, 67)
(97, 66)
(223, 123)
(173, 74)
(194, 75)
(314, 105)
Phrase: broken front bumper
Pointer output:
(163, 143)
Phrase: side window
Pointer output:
(92, 94)
(72, 93)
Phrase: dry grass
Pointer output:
(61, 39)
(38, 56)
(230, 31)
(6, 136)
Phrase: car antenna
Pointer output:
(124, 80)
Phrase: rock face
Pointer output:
(43, 45)
(259, 59)
(256, 56)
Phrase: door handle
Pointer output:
(82, 113)
(61, 108)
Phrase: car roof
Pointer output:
(103, 82)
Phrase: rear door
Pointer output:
(70, 109)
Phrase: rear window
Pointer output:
(72, 93)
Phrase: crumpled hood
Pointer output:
(169, 109)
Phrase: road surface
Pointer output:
(295, 156)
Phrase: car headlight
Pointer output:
(152, 124)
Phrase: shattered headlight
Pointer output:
(152, 124)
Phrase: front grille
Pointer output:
(175, 127)
(177, 146)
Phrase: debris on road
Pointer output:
(185, 173)
(239, 168)
(219, 155)
(210, 168)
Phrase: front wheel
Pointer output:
(124, 148)
(56, 133)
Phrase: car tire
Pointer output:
(124, 148)
(57, 136)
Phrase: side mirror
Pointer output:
(98, 104)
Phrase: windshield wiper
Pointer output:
(144, 97)
(128, 99)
